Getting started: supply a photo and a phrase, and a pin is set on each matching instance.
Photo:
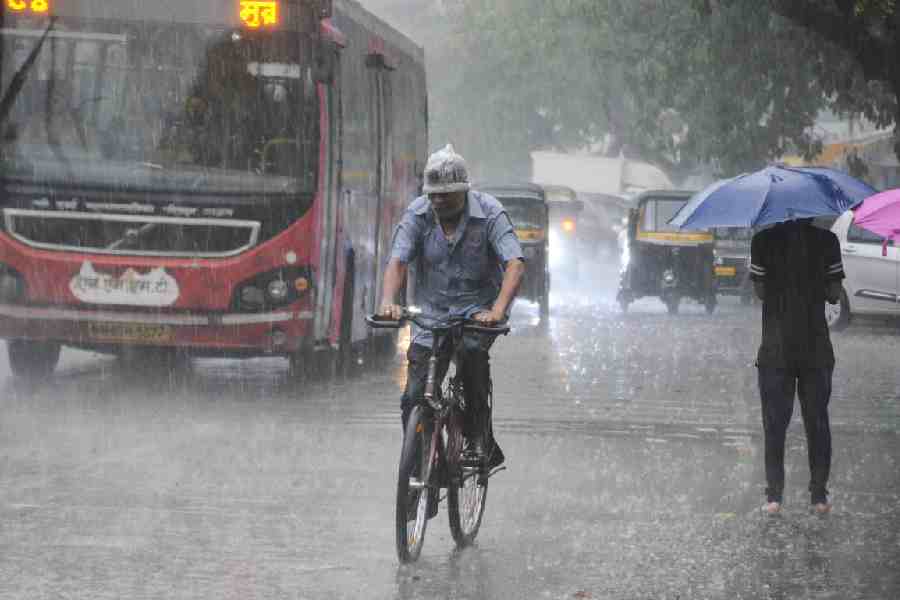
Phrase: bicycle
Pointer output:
(432, 454)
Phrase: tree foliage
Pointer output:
(867, 79)
(730, 83)
(682, 83)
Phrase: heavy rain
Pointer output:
(232, 230)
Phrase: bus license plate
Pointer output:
(726, 271)
(129, 332)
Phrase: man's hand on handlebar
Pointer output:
(390, 312)
(489, 317)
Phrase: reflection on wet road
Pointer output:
(635, 471)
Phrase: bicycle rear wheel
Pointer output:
(466, 491)
(412, 490)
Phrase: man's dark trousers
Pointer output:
(476, 376)
(777, 388)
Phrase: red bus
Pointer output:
(218, 177)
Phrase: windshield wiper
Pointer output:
(18, 80)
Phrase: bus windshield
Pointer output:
(158, 106)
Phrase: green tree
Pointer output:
(510, 80)
(658, 79)
(741, 78)
(727, 83)
(868, 32)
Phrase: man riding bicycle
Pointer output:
(467, 262)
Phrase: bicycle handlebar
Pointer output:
(490, 329)
(377, 322)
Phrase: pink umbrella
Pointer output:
(880, 214)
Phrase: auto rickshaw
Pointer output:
(732, 262)
(661, 260)
(527, 209)
(565, 212)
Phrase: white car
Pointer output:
(872, 286)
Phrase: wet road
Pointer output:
(635, 471)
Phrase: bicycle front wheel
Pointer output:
(466, 492)
(412, 486)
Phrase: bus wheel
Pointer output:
(32, 360)
(313, 365)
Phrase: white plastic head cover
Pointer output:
(446, 171)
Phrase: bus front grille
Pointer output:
(130, 235)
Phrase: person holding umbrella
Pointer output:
(795, 268)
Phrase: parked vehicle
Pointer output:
(565, 214)
(527, 208)
(221, 177)
(731, 249)
(872, 269)
(661, 260)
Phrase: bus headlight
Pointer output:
(277, 290)
(272, 289)
(252, 297)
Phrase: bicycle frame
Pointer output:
(445, 417)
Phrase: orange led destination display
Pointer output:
(258, 13)
(40, 7)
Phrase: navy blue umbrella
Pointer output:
(772, 195)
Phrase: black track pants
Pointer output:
(777, 388)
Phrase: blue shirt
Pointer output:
(461, 275)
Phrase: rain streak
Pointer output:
(472, 299)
